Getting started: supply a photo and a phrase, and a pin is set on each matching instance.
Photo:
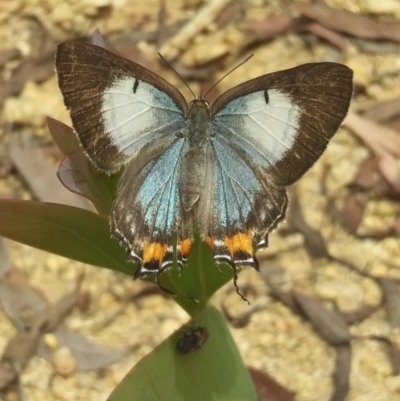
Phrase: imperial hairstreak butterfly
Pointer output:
(220, 171)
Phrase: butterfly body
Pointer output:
(220, 172)
(197, 133)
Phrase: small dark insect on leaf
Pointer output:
(192, 341)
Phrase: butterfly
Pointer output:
(192, 341)
(218, 171)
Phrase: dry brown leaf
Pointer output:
(7, 55)
(313, 240)
(328, 323)
(267, 388)
(329, 35)
(43, 318)
(88, 354)
(36, 69)
(19, 278)
(393, 352)
(7, 376)
(161, 17)
(383, 142)
(366, 176)
(280, 285)
(39, 173)
(360, 314)
(394, 357)
(5, 264)
(21, 302)
(353, 210)
(21, 348)
(270, 27)
(341, 374)
(53, 316)
(231, 14)
(383, 111)
(391, 292)
(353, 24)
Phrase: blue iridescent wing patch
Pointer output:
(244, 204)
(147, 212)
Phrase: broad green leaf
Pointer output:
(214, 373)
(64, 230)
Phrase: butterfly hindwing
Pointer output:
(147, 212)
(116, 106)
(244, 205)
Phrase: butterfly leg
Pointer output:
(235, 279)
(166, 291)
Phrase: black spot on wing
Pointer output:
(135, 85)
(266, 96)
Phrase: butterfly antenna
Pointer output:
(177, 73)
(229, 72)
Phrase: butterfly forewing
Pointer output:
(116, 106)
(284, 120)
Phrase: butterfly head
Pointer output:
(199, 102)
(198, 120)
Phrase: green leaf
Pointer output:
(64, 230)
(199, 279)
(214, 373)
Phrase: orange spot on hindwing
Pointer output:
(210, 242)
(240, 243)
(185, 247)
(153, 254)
